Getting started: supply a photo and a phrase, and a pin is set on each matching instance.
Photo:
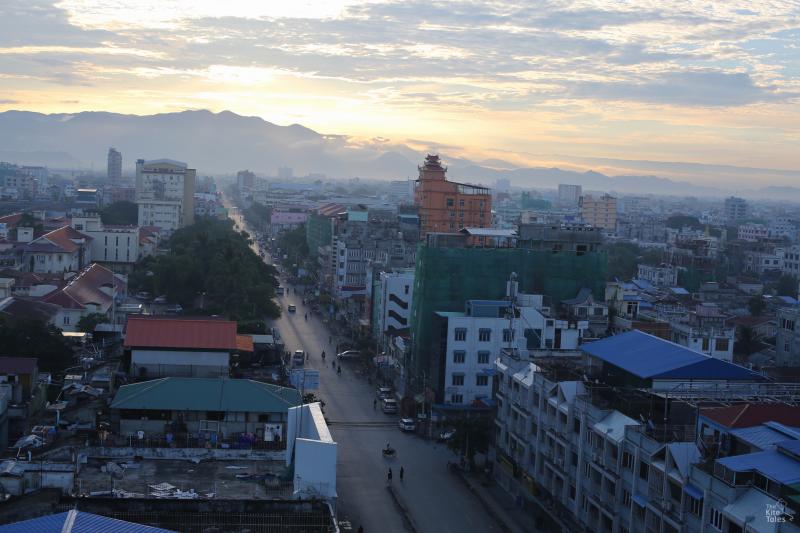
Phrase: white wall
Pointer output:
(401, 285)
(161, 363)
(310, 445)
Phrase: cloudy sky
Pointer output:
(593, 82)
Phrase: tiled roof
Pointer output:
(18, 365)
(87, 288)
(187, 333)
(63, 238)
(206, 394)
(11, 220)
(753, 414)
(244, 343)
(28, 309)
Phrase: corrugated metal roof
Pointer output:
(648, 356)
(192, 333)
(78, 522)
(749, 415)
(765, 437)
(206, 394)
(613, 426)
(774, 465)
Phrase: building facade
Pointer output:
(165, 194)
(735, 208)
(600, 212)
(569, 194)
(447, 206)
(114, 172)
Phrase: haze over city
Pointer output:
(621, 88)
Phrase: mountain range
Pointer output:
(222, 143)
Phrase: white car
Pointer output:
(348, 353)
(407, 424)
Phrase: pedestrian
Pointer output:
(389, 477)
(374, 404)
(402, 472)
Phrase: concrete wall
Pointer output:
(127, 452)
(311, 447)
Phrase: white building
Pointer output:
(569, 194)
(663, 275)
(61, 250)
(110, 245)
(396, 296)
(783, 227)
(165, 194)
(476, 337)
(753, 232)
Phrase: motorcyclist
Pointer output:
(323, 355)
(339, 370)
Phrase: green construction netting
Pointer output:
(446, 277)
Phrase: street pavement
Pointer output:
(430, 498)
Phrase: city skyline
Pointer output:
(619, 89)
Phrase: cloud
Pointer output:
(9, 101)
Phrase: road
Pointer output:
(429, 499)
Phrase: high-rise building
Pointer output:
(569, 194)
(448, 206)
(245, 179)
(114, 165)
(165, 194)
(600, 212)
(735, 208)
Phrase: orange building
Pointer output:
(447, 206)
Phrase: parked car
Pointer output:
(383, 392)
(143, 295)
(348, 353)
(280, 290)
(389, 406)
(445, 435)
(292, 308)
(160, 300)
(407, 424)
(299, 358)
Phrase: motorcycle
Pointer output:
(389, 452)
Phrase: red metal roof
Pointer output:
(189, 333)
(749, 415)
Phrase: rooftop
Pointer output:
(651, 357)
(753, 414)
(18, 365)
(186, 333)
(78, 522)
(206, 394)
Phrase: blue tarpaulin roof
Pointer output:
(648, 356)
(773, 464)
(78, 522)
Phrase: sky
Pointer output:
(613, 85)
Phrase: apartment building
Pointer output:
(594, 436)
(752, 232)
(476, 337)
(569, 194)
(600, 211)
(787, 339)
(735, 208)
(663, 275)
(393, 301)
(165, 194)
(448, 206)
(114, 172)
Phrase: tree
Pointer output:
(27, 220)
(120, 214)
(787, 286)
(756, 305)
(747, 340)
(33, 338)
(623, 259)
(682, 221)
(88, 323)
(471, 436)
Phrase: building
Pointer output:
(114, 172)
(594, 439)
(95, 289)
(392, 300)
(600, 212)
(78, 522)
(735, 209)
(704, 330)
(280, 221)
(165, 194)
(114, 246)
(791, 261)
(320, 227)
(58, 251)
(447, 206)
(401, 191)
(787, 339)
(313, 451)
(761, 262)
(474, 339)
(219, 406)
(584, 307)
(569, 194)
(245, 180)
(663, 275)
(572, 238)
(172, 347)
(753, 232)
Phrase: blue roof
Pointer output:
(643, 284)
(772, 464)
(647, 356)
(789, 300)
(766, 436)
(679, 290)
(78, 522)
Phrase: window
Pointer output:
(572, 492)
(66, 320)
(458, 379)
(705, 345)
(484, 335)
(508, 335)
(722, 345)
(461, 334)
(459, 356)
(456, 398)
(576, 426)
(626, 498)
(483, 358)
(627, 460)
(574, 459)
(481, 380)
(533, 338)
(450, 202)
(406, 289)
(695, 506)
(715, 519)
(644, 470)
(461, 203)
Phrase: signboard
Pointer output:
(303, 379)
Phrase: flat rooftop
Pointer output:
(268, 478)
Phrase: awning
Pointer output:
(693, 491)
(640, 500)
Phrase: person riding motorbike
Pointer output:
(339, 370)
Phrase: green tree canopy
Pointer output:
(211, 269)
(120, 214)
(89, 322)
(33, 338)
(787, 286)
(682, 221)
(756, 305)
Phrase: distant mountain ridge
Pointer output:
(221, 143)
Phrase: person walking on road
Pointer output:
(374, 404)
(389, 477)
(402, 473)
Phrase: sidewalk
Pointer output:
(500, 506)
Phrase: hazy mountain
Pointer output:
(225, 142)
